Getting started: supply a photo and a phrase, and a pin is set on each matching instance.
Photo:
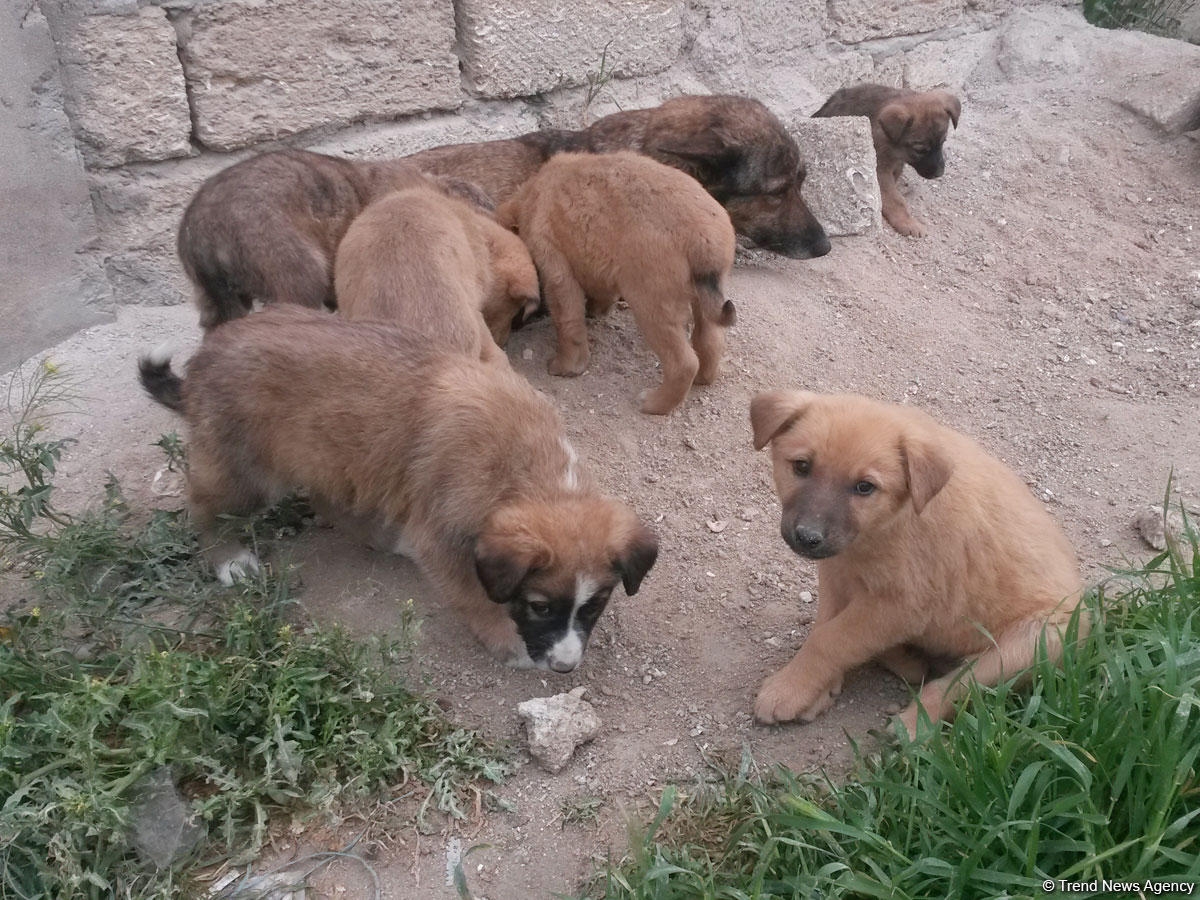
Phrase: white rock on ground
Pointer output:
(557, 725)
(1153, 529)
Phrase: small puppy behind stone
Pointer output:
(907, 127)
(619, 225)
(438, 267)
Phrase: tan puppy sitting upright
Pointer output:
(907, 127)
(620, 225)
(464, 462)
(437, 266)
(927, 547)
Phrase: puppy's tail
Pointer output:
(711, 302)
(154, 372)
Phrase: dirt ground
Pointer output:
(1053, 313)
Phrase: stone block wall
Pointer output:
(159, 94)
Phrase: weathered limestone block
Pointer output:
(841, 188)
(889, 70)
(1171, 98)
(388, 140)
(783, 30)
(261, 70)
(1042, 43)
(518, 49)
(125, 88)
(51, 285)
(862, 20)
(1152, 76)
(138, 209)
(946, 64)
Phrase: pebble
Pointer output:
(806, 597)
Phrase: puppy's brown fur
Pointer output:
(908, 128)
(739, 150)
(928, 548)
(267, 228)
(466, 461)
(498, 167)
(620, 225)
(439, 267)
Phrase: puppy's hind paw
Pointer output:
(238, 568)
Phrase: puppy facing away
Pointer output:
(464, 462)
(907, 127)
(267, 228)
(742, 154)
(620, 225)
(927, 548)
(437, 266)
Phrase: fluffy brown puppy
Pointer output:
(439, 267)
(739, 150)
(907, 127)
(267, 228)
(619, 225)
(465, 462)
(927, 547)
(498, 167)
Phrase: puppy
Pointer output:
(267, 228)
(739, 150)
(466, 462)
(907, 127)
(621, 225)
(927, 548)
(439, 267)
(498, 167)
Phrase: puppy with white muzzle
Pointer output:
(464, 463)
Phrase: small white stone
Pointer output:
(557, 725)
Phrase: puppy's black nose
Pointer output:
(808, 539)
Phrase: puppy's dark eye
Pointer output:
(801, 467)
(594, 606)
(538, 610)
(864, 488)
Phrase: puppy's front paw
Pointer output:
(783, 698)
(910, 227)
(237, 568)
(568, 365)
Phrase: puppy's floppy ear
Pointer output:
(773, 411)
(504, 559)
(927, 468)
(507, 212)
(951, 104)
(895, 119)
(636, 557)
(708, 144)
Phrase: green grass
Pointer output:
(151, 720)
(1161, 17)
(1092, 774)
